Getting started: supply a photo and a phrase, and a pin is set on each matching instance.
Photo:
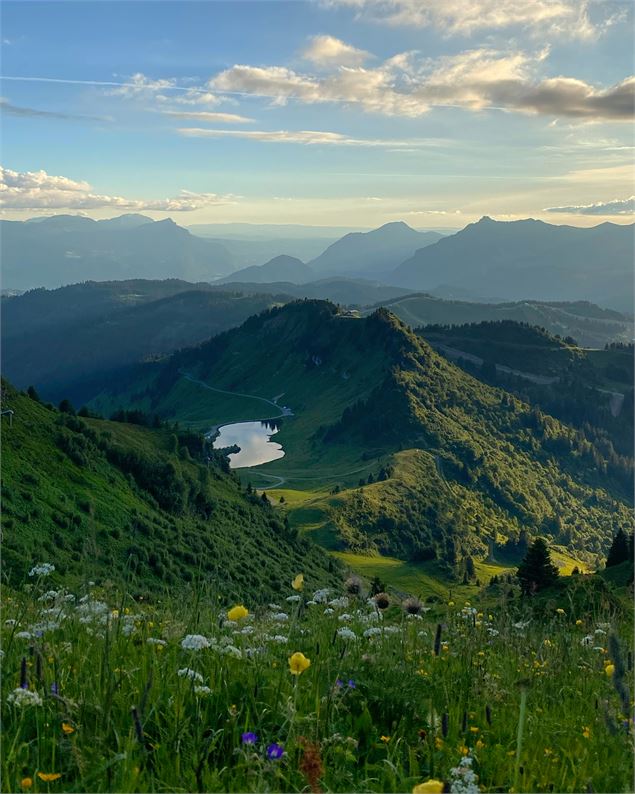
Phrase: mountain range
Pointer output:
(486, 261)
(65, 249)
(372, 253)
(529, 259)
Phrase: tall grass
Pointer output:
(388, 701)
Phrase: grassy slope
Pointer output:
(94, 520)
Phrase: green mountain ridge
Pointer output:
(476, 465)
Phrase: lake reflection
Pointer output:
(254, 440)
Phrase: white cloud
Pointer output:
(204, 115)
(39, 190)
(309, 137)
(329, 51)
(139, 85)
(558, 18)
(407, 86)
(615, 207)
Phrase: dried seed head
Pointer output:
(353, 585)
(412, 606)
(382, 601)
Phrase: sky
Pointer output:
(322, 112)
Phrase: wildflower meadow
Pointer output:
(323, 691)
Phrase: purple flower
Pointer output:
(339, 683)
(249, 738)
(351, 683)
(274, 751)
(55, 689)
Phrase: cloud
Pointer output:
(309, 138)
(139, 85)
(329, 51)
(39, 190)
(15, 110)
(561, 18)
(203, 115)
(405, 85)
(615, 207)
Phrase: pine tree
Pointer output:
(619, 551)
(536, 571)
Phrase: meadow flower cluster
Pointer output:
(333, 692)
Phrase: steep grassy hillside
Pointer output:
(110, 501)
(589, 389)
(425, 461)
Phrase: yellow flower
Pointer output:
(450, 603)
(438, 742)
(298, 663)
(474, 729)
(298, 582)
(480, 744)
(68, 729)
(481, 653)
(429, 787)
(385, 739)
(463, 750)
(548, 751)
(48, 777)
(609, 669)
(578, 622)
(26, 782)
(559, 611)
(238, 612)
(586, 732)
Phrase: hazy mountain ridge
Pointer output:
(374, 252)
(280, 268)
(529, 259)
(59, 250)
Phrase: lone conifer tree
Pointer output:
(536, 571)
(619, 551)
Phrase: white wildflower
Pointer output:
(320, 596)
(10, 622)
(202, 691)
(194, 642)
(229, 624)
(345, 617)
(274, 607)
(599, 632)
(293, 599)
(23, 698)
(328, 611)
(342, 601)
(280, 638)
(42, 569)
(233, 651)
(247, 630)
(192, 675)
(50, 595)
(464, 779)
(155, 641)
(588, 640)
(280, 617)
(346, 634)
(23, 635)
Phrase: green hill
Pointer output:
(451, 467)
(113, 501)
(588, 324)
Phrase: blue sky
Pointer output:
(333, 112)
